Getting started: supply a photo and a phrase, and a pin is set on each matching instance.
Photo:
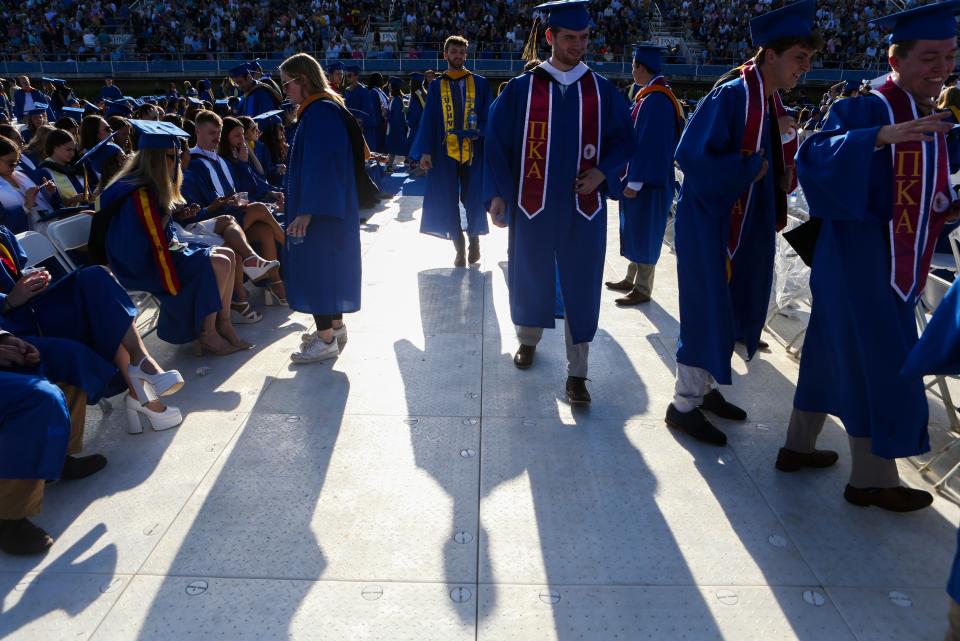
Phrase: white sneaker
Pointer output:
(339, 334)
(316, 351)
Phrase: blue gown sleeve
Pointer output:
(709, 155)
(196, 188)
(55, 199)
(500, 133)
(617, 143)
(426, 139)
(834, 165)
(656, 140)
(16, 219)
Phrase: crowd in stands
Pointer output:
(201, 28)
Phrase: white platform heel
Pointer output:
(159, 421)
(153, 386)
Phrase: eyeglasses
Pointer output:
(289, 81)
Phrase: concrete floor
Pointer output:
(422, 488)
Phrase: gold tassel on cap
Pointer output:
(530, 47)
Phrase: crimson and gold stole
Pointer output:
(9, 261)
(922, 196)
(657, 85)
(537, 130)
(148, 211)
(784, 154)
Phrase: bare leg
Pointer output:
(224, 266)
(132, 349)
(258, 213)
(262, 235)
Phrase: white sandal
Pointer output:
(244, 314)
(259, 269)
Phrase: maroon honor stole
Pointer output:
(537, 130)
(149, 214)
(756, 114)
(921, 197)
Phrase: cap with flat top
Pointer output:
(39, 108)
(267, 118)
(97, 147)
(566, 14)
(336, 65)
(792, 21)
(239, 71)
(928, 22)
(74, 113)
(157, 134)
(354, 69)
(650, 56)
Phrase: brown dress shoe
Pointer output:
(460, 260)
(791, 460)
(523, 359)
(624, 285)
(577, 393)
(635, 297)
(894, 499)
(23, 538)
(473, 253)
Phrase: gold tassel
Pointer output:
(530, 47)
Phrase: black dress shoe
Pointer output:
(577, 393)
(715, 403)
(473, 254)
(791, 460)
(460, 260)
(523, 359)
(696, 425)
(763, 346)
(23, 538)
(894, 499)
(624, 285)
(635, 297)
(81, 467)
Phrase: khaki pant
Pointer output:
(692, 384)
(577, 354)
(642, 276)
(867, 470)
(22, 498)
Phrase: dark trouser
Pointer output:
(23, 498)
(463, 177)
(326, 322)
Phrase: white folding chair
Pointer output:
(39, 248)
(70, 233)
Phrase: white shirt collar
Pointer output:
(197, 151)
(565, 77)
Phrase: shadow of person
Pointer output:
(46, 592)
(253, 518)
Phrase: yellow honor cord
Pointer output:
(459, 149)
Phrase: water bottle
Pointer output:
(472, 123)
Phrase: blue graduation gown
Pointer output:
(246, 178)
(322, 273)
(558, 248)
(715, 313)
(110, 93)
(34, 426)
(860, 331)
(20, 101)
(643, 220)
(397, 128)
(445, 192)
(365, 105)
(134, 262)
(198, 187)
(206, 96)
(260, 99)
(414, 114)
(99, 158)
(270, 174)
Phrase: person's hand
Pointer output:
(30, 197)
(222, 201)
(786, 180)
(919, 130)
(16, 352)
(73, 200)
(243, 153)
(498, 212)
(28, 286)
(426, 162)
(787, 124)
(280, 169)
(629, 193)
(278, 198)
(186, 212)
(48, 186)
(298, 228)
(589, 181)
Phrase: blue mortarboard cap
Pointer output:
(396, 82)
(157, 134)
(286, 105)
(116, 108)
(39, 108)
(89, 107)
(108, 76)
(254, 65)
(336, 65)
(233, 100)
(223, 102)
(97, 147)
(239, 70)
(354, 69)
(59, 82)
(794, 20)
(416, 76)
(76, 113)
(205, 84)
(929, 22)
(566, 14)
(649, 56)
(268, 118)
(47, 80)
(194, 100)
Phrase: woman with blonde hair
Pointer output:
(321, 256)
(132, 232)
